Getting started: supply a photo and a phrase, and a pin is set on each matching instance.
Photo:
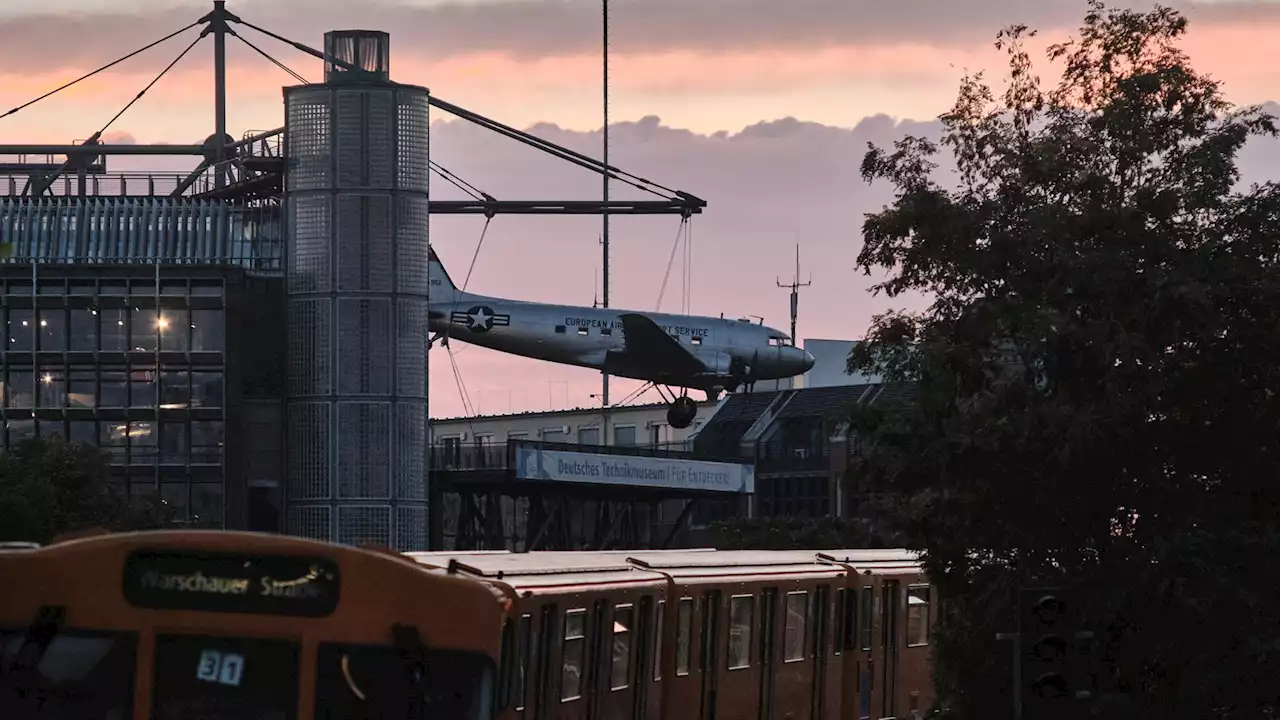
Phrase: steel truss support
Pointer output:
(487, 519)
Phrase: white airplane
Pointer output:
(677, 351)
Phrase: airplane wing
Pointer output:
(651, 345)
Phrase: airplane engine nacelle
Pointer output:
(718, 362)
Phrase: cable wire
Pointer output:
(104, 67)
(680, 231)
(274, 61)
(151, 84)
(463, 185)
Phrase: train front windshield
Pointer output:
(370, 681)
(77, 675)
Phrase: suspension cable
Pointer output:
(465, 281)
(463, 185)
(688, 266)
(534, 141)
(104, 67)
(274, 61)
(151, 84)
(680, 231)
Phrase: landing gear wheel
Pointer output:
(681, 412)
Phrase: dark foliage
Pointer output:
(799, 534)
(1097, 373)
(49, 487)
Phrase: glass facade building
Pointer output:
(131, 366)
(157, 360)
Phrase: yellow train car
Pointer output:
(208, 624)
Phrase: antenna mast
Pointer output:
(604, 215)
(795, 286)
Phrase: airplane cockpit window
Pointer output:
(778, 341)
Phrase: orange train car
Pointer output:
(712, 634)
(211, 624)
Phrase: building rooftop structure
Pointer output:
(171, 318)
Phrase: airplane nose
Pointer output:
(807, 361)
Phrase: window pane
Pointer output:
(224, 677)
(81, 674)
(113, 437)
(114, 390)
(50, 429)
(83, 333)
(142, 387)
(143, 330)
(51, 392)
(524, 637)
(206, 504)
(864, 612)
(797, 615)
(175, 328)
(574, 645)
(84, 431)
(657, 641)
(21, 332)
(52, 331)
(207, 331)
(177, 499)
(20, 430)
(142, 442)
(81, 390)
(20, 391)
(113, 330)
(917, 616)
(173, 443)
(175, 388)
(684, 647)
(206, 442)
(206, 388)
(620, 676)
(741, 608)
(625, 436)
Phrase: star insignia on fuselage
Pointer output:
(480, 319)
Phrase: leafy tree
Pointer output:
(1097, 372)
(49, 487)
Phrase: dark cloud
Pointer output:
(540, 28)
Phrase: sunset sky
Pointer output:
(763, 107)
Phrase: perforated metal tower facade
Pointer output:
(356, 289)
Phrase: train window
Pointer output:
(849, 634)
(524, 638)
(575, 645)
(684, 644)
(917, 615)
(864, 627)
(837, 634)
(79, 674)
(224, 677)
(657, 641)
(741, 611)
(620, 676)
(797, 617)
(378, 681)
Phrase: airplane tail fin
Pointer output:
(442, 288)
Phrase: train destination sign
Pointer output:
(676, 473)
(228, 582)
